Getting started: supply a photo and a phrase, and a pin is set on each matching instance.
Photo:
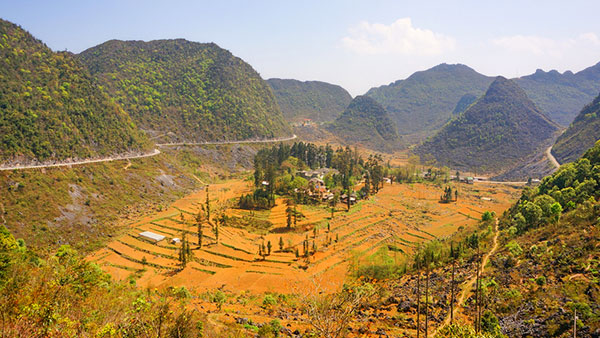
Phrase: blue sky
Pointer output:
(356, 44)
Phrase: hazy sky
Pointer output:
(356, 44)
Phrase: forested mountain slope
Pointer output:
(424, 101)
(502, 128)
(315, 100)
(562, 96)
(581, 134)
(51, 108)
(187, 91)
(366, 123)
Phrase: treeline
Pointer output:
(572, 185)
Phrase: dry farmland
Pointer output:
(401, 214)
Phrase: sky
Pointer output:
(355, 44)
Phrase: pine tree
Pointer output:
(289, 217)
(199, 220)
(269, 246)
(280, 243)
(207, 206)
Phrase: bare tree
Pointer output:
(329, 314)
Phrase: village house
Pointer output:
(317, 173)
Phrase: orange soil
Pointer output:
(399, 214)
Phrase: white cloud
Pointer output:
(546, 47)
(400, 37)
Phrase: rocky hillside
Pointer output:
(548, 265)
(51, 108)
(366, 123)
(424, 101)
(562, 96)
(581, 134)
(187, 91)
(315, 100)
(501, 129)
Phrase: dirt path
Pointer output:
(281, 139)
(469, 285)
(65, 164)
(552, 158)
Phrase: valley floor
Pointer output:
(400, 215)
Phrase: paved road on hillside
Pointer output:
(130, 157)
(64, 164)
(281, 139)
(552, 158)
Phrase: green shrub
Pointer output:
(541, 280)
(514, 248)
(269, 300)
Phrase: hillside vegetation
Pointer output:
(187, 91)
(365, 122)
(424, 101)
(549, 265)
(502, 128)
(581, 134)
(51, 109)
(562, 96)
(315, 100)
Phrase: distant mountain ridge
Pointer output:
(51, 108)
(562, 96)
(365, 122)
(581, 135)
(424, 101)
(315, 100)
(180, 90)
(499, 130)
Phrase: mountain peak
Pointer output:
(367, 123)
(497, 131)
(504, 89)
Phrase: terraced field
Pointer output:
(402, 215)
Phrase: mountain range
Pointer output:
(562, 96)
(52, 109)
(426, 100)
(581, 135)
(178, 90)
(500, 129)
(365, 122)
(315, 100)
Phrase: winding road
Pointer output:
(552, 158)
(271, 140)
(65, 164)
(130, 157)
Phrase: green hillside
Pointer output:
(424, 101)
(548, 266)
(581, 134)
(366, 123)
(502, 128)
(315, 100)
(50, 107)
(187, 90)
(562, 96)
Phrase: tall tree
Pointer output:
(199, 220)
